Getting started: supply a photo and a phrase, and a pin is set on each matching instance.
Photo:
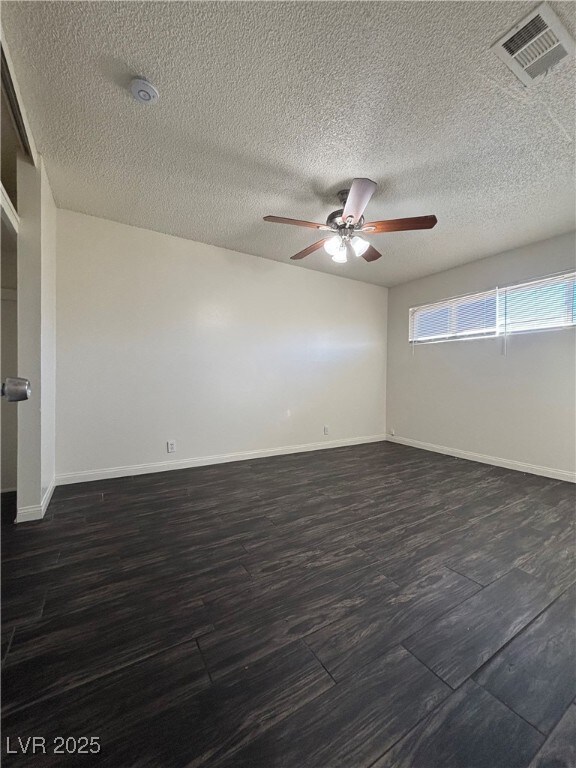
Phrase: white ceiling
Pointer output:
(270, 108)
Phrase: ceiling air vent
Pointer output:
(535, 45)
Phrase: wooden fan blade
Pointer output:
(310, 249)
(400, 225)
(358, 198)
(295, 222)
(371, 254)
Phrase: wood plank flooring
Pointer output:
(375, 606)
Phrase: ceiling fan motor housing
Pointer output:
(336, 221)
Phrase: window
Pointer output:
(537, 305)
(465, 317)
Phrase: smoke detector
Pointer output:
(535, 45)
(143, 91)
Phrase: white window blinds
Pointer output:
(537, 305)
(540, 304)
(464, 317)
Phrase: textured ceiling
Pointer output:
(270, 108)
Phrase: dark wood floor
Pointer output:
(367, 606)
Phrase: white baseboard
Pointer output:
(27, 514)
(37, 512)
(164, 466)
(533, 469)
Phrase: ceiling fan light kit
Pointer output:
(337, 248)
(346, 222)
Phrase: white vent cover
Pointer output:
(535, 44)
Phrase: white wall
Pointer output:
(9, 355)
(467, 398)
(48, 339)
(161, 338)
(36, 339)
(9, 367)
(29, 339)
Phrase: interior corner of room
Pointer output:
(257, 358)
(288, 367)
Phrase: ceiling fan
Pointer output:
(346, 223)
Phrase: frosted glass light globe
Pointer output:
(340, 257)
(332, 246)
(360, 245)
(336, 248)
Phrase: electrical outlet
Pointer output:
(325, 429)
(171, 446)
